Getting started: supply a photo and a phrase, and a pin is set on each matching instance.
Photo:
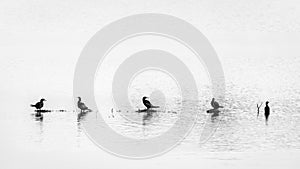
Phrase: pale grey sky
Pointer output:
(41, 40)
(90, 15)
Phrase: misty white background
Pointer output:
(40, 42)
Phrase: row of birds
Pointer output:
(83, 108)
(39, 105)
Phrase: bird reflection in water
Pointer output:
(215, 114)
(147, 116)
(40, 128)
(81, 116)
(38, 117)
(39, 105)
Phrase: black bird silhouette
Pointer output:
(267, 111)
(148, 104)
(39, 104)
(82, 106)
(215, 104)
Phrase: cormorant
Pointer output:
(215, 104)
(267, 111)
(82, 106)
(148, 104)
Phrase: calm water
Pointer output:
(240, 129)
(251, 78)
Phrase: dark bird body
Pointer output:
(267, 111)
(148, 104)
(82, 106)
(39, 104)
(215, 111)
(215, 104)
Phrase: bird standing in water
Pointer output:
(82, 106)
(267, 112)
(39, 104)
(215, 104)
(215, 111)
(148, 104)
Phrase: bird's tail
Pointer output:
(154, 106)
(32, 105)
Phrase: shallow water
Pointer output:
(259, 74)
(240, 129)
